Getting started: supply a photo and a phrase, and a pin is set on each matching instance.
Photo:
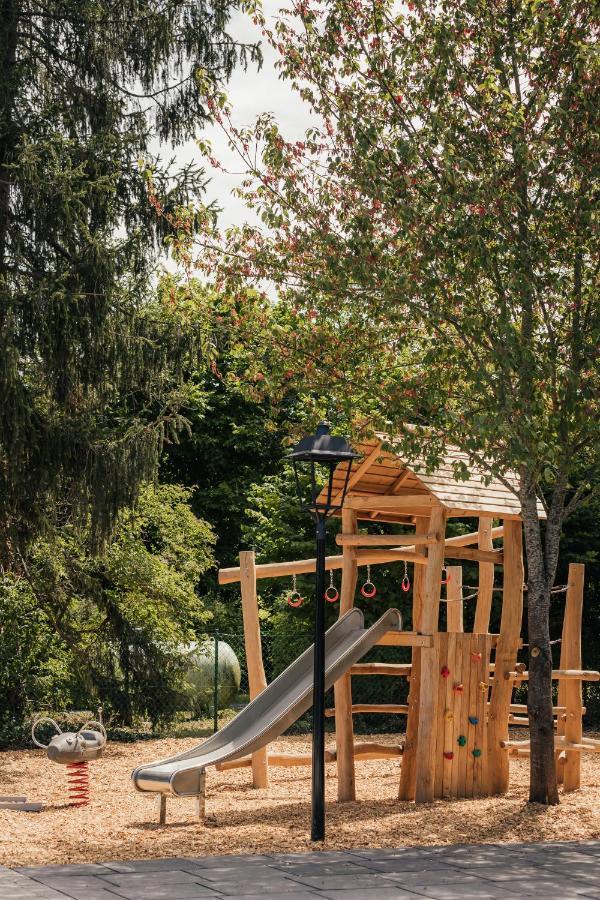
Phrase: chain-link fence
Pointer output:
(215, 688)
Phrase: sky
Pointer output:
(250, 92)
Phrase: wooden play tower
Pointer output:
(460, 701)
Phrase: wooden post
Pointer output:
(162, 809)
(570, 658)
(430, 674)
(201, 799)
(254, 660)
(409, 759)
(486, 579)
(506, 655)
(454, 603)
(344, 728)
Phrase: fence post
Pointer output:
(216, 685)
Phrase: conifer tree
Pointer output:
(90, 371)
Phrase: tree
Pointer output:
(109, 628)
(434, 243)
(90, 376)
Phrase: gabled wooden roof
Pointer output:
(382, 474)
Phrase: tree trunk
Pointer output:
(543, 787)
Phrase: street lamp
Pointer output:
(318, 456)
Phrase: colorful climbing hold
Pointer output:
(483, 686)
(448, 754)
(476, 752)
(461, 740)
(459, 688)
(473, 720)
(445, 672)
(475, 656)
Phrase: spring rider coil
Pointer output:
(74, 749)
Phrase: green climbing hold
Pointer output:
(476, 752)
(461, 740)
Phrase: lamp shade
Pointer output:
(316, 455)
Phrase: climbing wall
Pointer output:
(461, 758)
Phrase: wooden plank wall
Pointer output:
(461, 754)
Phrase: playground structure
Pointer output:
(460, 701)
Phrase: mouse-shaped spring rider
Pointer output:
(75, 750)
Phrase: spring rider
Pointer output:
(75, 750)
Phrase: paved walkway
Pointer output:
(565, 871)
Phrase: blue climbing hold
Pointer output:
(473, 720)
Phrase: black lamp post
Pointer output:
(318, 456)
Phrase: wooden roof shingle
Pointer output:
(381, 473)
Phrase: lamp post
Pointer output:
(316, 456)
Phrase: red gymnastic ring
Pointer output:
(295, 599)
(405, 584)
(368, 589)
(331, 594)
(447, 578)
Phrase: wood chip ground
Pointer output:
(121, 824)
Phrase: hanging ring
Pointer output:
(405, 584)
(447, 578)
(331, 594)
(295, 599)
(368, 589)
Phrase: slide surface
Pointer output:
(274, 710)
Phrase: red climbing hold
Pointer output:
(445, 672)
(448, 754)
(476, 657)
(459, 688)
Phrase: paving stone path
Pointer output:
(561, 871)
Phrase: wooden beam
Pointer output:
(257, 681)
(384, 708)
(495, 557)
(506, 657)
(399, 480)
(430, 672)
(279, 760)
(454, 605)
(558, 675)
(400, 670)
(465, 540)
(362, 752)
(584, 746)
(408, 774)
(304, 566)
(479, 509)
(385, 540)
(358, 473)
(381, 502)
(344, 729)
(485, 587)
(405, 639)
(571, 659)
(370, 557)
(373, 750)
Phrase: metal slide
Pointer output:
(274, 710)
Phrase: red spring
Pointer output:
(78, 778)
